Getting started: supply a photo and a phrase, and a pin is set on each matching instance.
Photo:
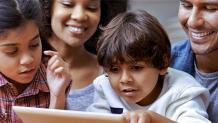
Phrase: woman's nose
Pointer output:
(78, 13)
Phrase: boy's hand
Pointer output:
(57, 74)
(138, 116)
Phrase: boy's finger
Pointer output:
(50, 53)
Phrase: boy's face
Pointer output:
(20, 53)
(133, 81)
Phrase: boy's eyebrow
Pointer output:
(13, 44)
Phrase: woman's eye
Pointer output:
(93, 7)
(67, 4)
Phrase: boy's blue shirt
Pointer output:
(182, 57)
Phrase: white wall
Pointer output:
(166, 11)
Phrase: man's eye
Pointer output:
(211, 8)
(186, 5)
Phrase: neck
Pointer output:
(207, 63)
(154, 94)
(75, 56)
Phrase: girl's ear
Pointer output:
(163, 71)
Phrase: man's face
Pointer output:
(199, 18)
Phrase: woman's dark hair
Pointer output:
(134, 36)
(14, 13)
(109, 9)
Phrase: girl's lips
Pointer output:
(28, 73)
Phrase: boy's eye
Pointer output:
(136, 67)
(114, 69)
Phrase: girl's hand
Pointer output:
(138, 116)
(58, 77)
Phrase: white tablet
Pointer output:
(42, 115)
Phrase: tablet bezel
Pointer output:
(42, 115)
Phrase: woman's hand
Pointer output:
(58, 79)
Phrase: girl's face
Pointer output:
(20, 53)
(133, 81)
(75, 21)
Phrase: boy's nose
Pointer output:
(125, 77)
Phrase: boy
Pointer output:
(134, 50)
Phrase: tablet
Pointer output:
(42, 115)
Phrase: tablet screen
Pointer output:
(42, 115)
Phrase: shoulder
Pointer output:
(184, 85)
(180, 46)
(178, 77)
(101, 82)
(182, 57)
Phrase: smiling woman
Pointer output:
(22, 73)
(72, 29)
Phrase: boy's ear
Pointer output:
(163, 71)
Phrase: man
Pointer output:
(198, 55)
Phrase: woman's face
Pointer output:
(75, 21)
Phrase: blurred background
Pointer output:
(166, 11)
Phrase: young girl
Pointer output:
(70, 25)
(134, 50)
(22, 74)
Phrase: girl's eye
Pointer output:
(34, 45)
(11, 52)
